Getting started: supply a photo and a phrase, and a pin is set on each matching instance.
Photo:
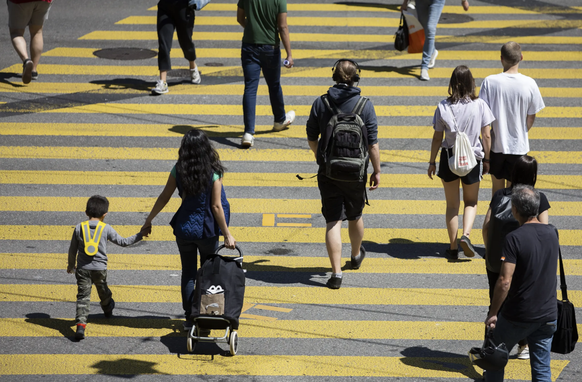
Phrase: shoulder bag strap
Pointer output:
(359, 108)
(563, 286)
(330, 105)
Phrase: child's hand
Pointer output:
(70, 269)
(146, 229)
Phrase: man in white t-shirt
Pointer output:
(515, 100)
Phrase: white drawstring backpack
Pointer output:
(463, 159)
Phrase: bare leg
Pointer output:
(163, 75)
(356, 230)
(192, 64)
(19, 43)
(452, 216)
(470, 197)
(36, 44)
(498, 184)
(333, 242)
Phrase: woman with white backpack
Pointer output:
(461, 119)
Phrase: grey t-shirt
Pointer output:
(98, 262)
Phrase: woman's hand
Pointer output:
(229, 241)
(404, 5)
(465, 4)
(431, 170)
(486, 167)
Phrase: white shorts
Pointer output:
(24, 14)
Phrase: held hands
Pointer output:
(146, 229)
(431, 170)
(374, 181)
(229, 241)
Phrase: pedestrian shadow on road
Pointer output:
(125, 84)
(411, 71)
(177, 345)
(425, 358)
(126, 368)
(394, 7)
(405, 249)
(63, 326)
(261, 270)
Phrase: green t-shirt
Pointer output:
(215, 176)
(261, 20)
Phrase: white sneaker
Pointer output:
(289, 118)
(161, 87)
(433, 59)
(247, 140)
(195, 75)
(424, 75)
(523, 352)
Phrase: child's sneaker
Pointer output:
(161, 88)
(80, 334)
(195, 76)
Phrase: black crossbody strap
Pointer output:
(563, 285)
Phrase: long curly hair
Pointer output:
(462, 85)
(197, 162)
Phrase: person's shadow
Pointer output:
(425, 358)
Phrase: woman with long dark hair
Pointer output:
(461, 110)
(201, 217)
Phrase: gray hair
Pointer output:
(526, 200)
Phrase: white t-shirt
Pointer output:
(471, 117)
(511, 97)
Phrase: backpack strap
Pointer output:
(359, 108)
(333, 109)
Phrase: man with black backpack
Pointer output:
(348, 128)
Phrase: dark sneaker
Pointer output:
(334, 282)
(109, 312)
(34, 76)
(452, 254)
(80, 334)
(357, 261)
(187, 325)
(27, 71)
(468, 248)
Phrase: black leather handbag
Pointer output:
(401, 36)
(566, 334)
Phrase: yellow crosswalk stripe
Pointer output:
(265, 131)
(375, 22)
(143, 262)
(258, 365)
(236, 110)
(256, 206)
(239, 179)
(236, 155)
(269, 295)
(139, 327)
(268, 234)
(236, 89)
(310, 72)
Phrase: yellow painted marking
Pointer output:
(256, 317)
(378, 22)
(293, 225)
(311, 72)
(258, 365)
(295, 131)
(273, 308)
(269, 295)
(239, 179)
(230, 155)
(234, 89)
(353, 7)
(139, 327)
(268, 234)
(257, 206)
(236, 110)
(143, 262)
(539, 40)
(294, 216)
(268, 220)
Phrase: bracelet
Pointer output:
(486, 160)
(432, 163)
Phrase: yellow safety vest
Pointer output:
(92, 243)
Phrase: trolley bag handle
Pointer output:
(238, 259)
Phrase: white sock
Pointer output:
(337, 275)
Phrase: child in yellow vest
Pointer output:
(89, 249)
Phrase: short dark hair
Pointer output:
(461, 85)
(526, 200)
(511, 53)
(97, 206)
(525, 171)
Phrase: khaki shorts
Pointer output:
(22, 15)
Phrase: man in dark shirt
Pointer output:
(524, 300)
(343, 200)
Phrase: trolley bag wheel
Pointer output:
(233, 343)
(190, 342)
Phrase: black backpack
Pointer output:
(345, 146)
(220, 288)
(501, 224)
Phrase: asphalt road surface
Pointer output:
(89, 126)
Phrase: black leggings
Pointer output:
(174, 15)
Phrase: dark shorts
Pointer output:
(502, 165)
(447, 175)
(341, 200)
